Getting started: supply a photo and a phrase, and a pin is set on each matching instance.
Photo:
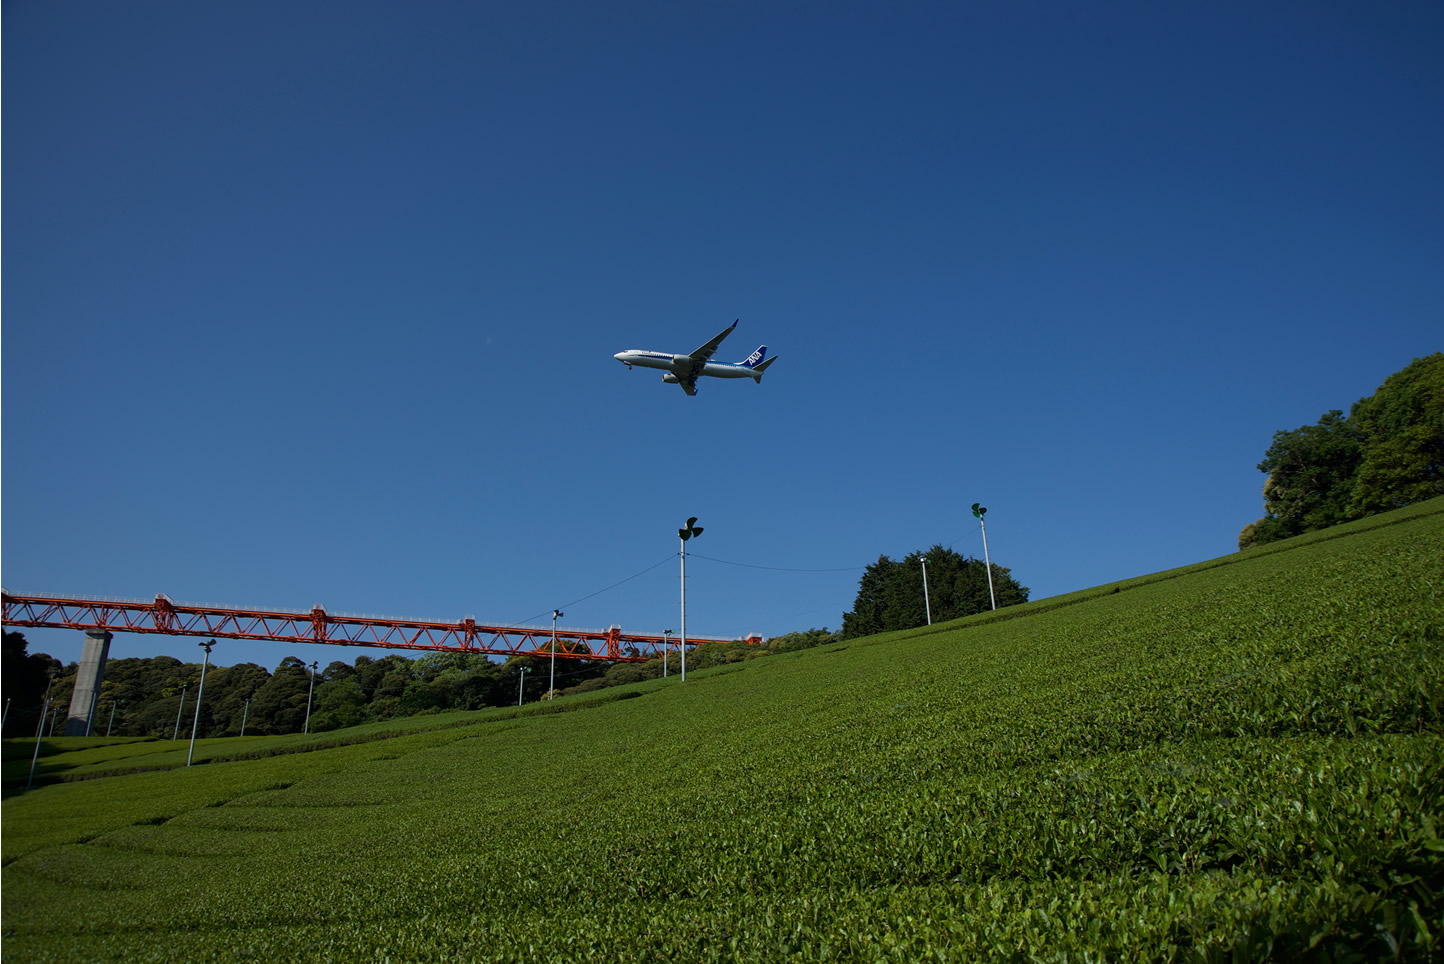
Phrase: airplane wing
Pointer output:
(701, 355)
(688, 380)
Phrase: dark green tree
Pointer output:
(1402, 427)
(1388, 453)
(1310, 479)
(24, 677)
(890, 594)
(279, 705)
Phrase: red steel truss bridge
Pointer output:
(318, 626)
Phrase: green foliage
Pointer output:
(890, 594)
(1241, 761)
(1403, 425)
(791, 642)
(1387, 454)
(1310, 478)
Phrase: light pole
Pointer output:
(666, 650)
(981, 511)
(178, 711)
(521, 682)
(552, 685)
(245, 712)
(928, 605)
(113, 704)
(40, 730)
(309, 691)
(196, 723)
(685, 533)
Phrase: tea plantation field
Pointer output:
(1237, 761)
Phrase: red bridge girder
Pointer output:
(315, 625)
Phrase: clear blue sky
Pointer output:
(316, 302)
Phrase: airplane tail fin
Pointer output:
(762, 367)
(754, 359)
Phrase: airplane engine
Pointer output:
(669, 378)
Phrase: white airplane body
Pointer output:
(684, 370)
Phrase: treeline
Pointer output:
(1387, 453)
(891, 596)
(156, 696)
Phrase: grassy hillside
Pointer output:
(1235, 761)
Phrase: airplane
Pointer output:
(684, 369)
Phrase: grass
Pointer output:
(1240, 760)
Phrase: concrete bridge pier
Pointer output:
(87, 682)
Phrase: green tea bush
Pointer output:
(1236, 762)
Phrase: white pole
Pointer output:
(245, 712)
(521, 682)
(40, 730)
(178, 711)
(987, 562)
(195, 724)
(684, 610)
(311, 689)
(112, 716)
(926, 603)
(552, 685)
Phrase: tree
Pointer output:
(1388, 453)
(1310, 478)
(24, 677)
(339, 702)
(1402, 426)
(279, 706)
(890, 594)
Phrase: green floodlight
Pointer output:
(979, 511)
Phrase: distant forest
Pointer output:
(156, 696)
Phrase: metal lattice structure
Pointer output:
(165, 617)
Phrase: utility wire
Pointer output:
(725, 562)
(568, 605)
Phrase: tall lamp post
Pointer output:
(688, 531)
(980, 511)
(307, 728)
(666, 650)
(245, 712)
(926, 604)
(113, 705)
(521, 683)
(195, 724)
(552, 685)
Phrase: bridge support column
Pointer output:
(87, 682)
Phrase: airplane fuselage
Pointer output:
(680, 363)
(684, 370)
